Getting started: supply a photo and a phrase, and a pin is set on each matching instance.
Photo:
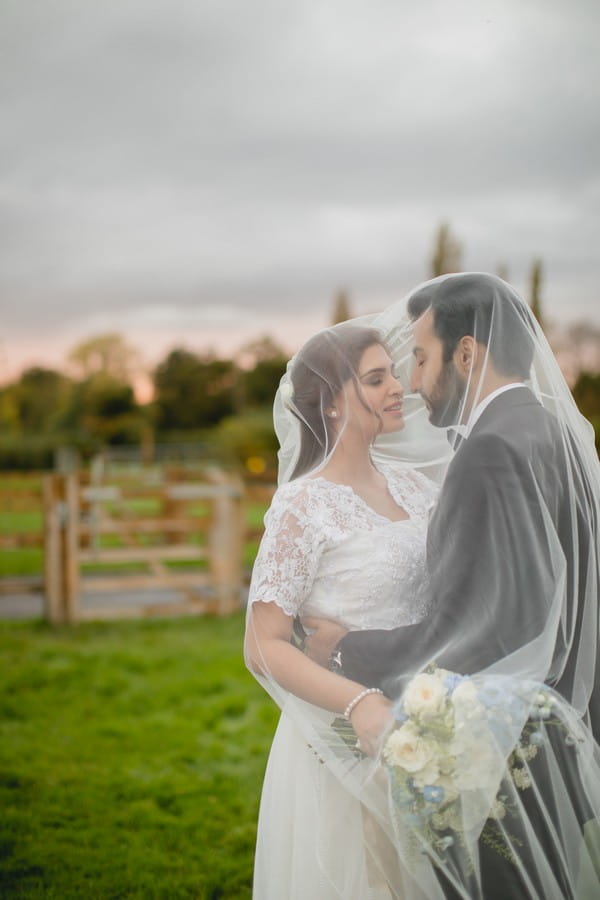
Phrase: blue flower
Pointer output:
(398, 711)
(433, 793)
(453, 679)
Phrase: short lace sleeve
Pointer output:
(289, 552)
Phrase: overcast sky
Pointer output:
(207, 170)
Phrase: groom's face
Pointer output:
(439, 383)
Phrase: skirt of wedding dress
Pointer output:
(316, 840)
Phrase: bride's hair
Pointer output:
(318, 373)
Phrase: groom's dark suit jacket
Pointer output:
(488, 555)
(493, 565)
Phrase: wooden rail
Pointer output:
(99, 527)
(170, 534)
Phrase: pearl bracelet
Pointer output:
(349, 709)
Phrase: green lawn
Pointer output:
(131, 759)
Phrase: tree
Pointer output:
(193, 391)
(106, 353)
(577, 348)
(535, 299)
(261, 364)
(447, 252)
(104, 408)
(341, 308)
(41, 397)
(586, 392)
(9, 410)
(259, 350)
(261, 382)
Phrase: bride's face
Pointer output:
(373, 405)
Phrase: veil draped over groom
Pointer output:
(490, 783)
(513, 563)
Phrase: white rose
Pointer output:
(465, 694)
(424, 696)
(406, 748)
(429, 774)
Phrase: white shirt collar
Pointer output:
(483, 404)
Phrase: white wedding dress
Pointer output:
(326, 553)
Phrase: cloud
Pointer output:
(246, 159)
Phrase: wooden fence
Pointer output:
(164, 533)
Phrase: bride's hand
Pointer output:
(372, 719)
(323, 639)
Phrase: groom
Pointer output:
(515, 524)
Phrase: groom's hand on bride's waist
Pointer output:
(322, 638)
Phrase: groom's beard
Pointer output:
(446, 398)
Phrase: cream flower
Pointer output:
(407, 749)
(429, 774)
(465, 694)
(424, 696)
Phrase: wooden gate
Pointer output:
(177, 535)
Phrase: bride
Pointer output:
(344, 540)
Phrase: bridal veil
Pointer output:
(491, 780)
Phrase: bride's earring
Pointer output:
(333, 413)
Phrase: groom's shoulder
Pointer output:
(517, 414)
(516, 430)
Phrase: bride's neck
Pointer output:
(350, 465)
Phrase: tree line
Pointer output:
(201, 396)
(93, 403)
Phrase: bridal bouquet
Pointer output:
(445, 759)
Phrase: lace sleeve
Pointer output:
(289, 552)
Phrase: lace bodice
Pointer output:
(325, 552)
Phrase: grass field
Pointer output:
(131, 759)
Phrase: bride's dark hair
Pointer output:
(318, 373)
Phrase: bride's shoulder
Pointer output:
(298, 495)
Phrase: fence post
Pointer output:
(226, 543)
(52, 552)
(61, 547)
(70, 547)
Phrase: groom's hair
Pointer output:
(469, 305)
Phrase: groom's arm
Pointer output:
(378, 658)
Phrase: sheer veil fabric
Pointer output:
(508, 610)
